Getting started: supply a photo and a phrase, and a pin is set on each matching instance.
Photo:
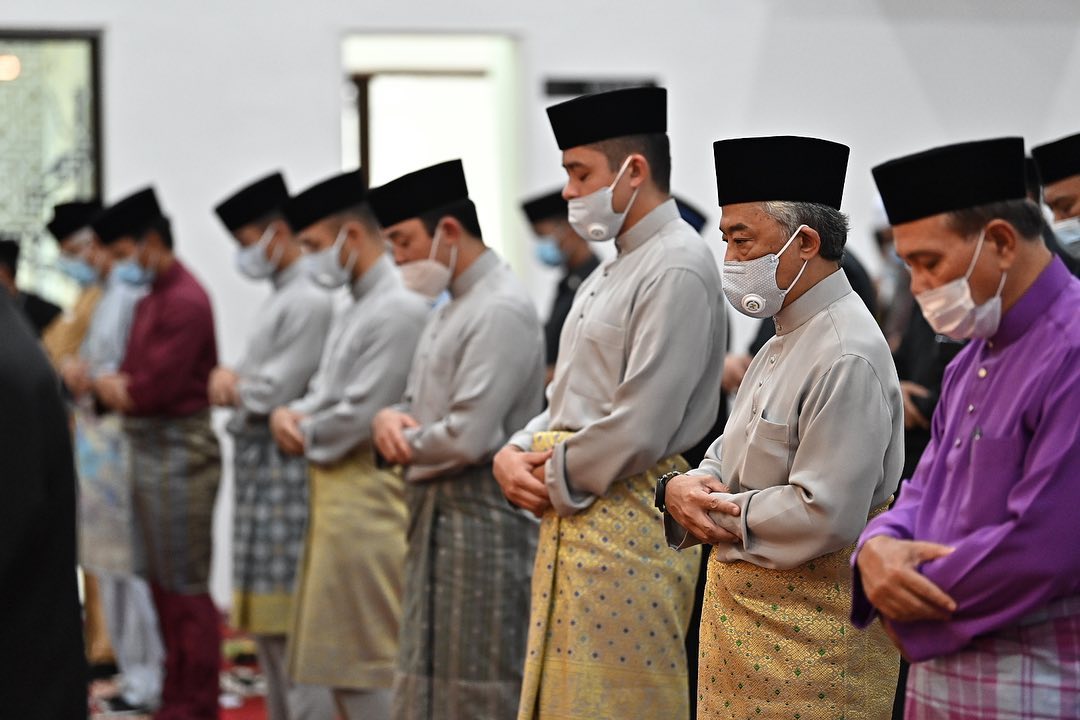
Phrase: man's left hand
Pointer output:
(222, 387)
(112, 390)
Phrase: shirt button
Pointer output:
(760, 383)
(982, 372)
(957, 443)
(971, 409)
(772, 359)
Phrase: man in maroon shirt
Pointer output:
(161, 388)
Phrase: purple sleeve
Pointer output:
(1003, 571)
(898, 522)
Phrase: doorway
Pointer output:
(416, 100)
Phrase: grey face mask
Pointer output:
(750, 285)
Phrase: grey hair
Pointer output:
(831, 224)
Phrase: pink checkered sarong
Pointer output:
(1028, 670)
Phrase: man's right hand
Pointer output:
(734, 369)
(76, 376)
(689, 501)
(889, 570)
(516, 472)
(913, 417)
(285, 427)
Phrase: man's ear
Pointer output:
(638, 170)
(452, 231)
(809, 242)
(1004, 237)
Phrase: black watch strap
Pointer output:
(661, 489)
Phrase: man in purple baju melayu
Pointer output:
(976, 570)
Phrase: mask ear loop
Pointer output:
(339, 243)
(611, 188)
(267, 237)
(975, 257)
(805, 262)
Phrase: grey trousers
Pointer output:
(286, 700)
(364, 704)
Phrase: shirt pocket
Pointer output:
(766, 462)
(599, 368)
(996, 466)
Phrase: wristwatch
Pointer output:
(661, 489)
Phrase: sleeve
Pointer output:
(377, 375)
(522, 439)
(899, 521)
(180, 336)
(666, 358)
(827, 498)
(1001, 572)
(496, 350)
(110, 329)
(64, 336)
(291, 362)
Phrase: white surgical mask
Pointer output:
(593, 217)
(1068, 234)
(750, 285)
(429, 277)
(326, 268)
(951, 311)
(252, 261)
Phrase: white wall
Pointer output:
(202, 95)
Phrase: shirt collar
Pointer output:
(170, 276)
(647, 226)
(283, 277)
(827, 291)
(487, 261)
(1054, 278)
(382, 268)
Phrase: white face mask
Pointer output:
(593, 217)
(429, 277)
(750, 285)
(326, 268)
(1068, 234)
(950, 310)
(252, 261)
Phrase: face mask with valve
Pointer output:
(950, 309)
(750, 285)
(593, 217)
(325, 266)
(252, 261)
(429, 277)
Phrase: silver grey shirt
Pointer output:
(366, 365)
(640, 361)
(478, 372)
(107, 336)
(815, 439)
(286, 342)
